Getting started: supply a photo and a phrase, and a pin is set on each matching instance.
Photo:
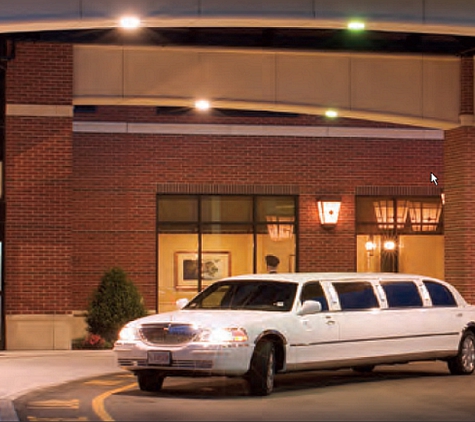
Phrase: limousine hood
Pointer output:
(209, 318)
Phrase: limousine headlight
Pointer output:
(129, 333)
(222, 335)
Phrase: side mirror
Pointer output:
(310, 307)
(181, 303)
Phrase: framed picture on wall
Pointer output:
(214, 266)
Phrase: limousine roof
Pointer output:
(332, 276)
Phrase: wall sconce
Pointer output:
(370, 246)
(328, 211)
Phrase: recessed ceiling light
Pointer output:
(356, 25)
(202, 104)
(331, 113)
(130, 22)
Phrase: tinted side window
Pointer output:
(356, 295)
(314, 291)
(402, 295)
(439, 294)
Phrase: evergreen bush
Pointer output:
(115, 302)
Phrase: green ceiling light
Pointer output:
(331, 113)
(356, 25)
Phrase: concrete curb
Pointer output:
(26, 371)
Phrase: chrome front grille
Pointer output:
(179, 364)
(167, 333)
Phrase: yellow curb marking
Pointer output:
(66, 404)
(103, 382)
(98, 402)
(125, 376)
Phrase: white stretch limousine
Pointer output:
(258, 325)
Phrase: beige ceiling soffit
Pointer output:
(421, 121)
(267, 51)
(257, 130)
(40, 24)
(39, 110)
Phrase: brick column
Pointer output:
(323, 249)
(459, 188)
(38, 192)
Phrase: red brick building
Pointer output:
(147, 188)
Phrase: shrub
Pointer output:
(115, 302)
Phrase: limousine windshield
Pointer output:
(246, 295)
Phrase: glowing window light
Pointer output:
(389, 245)
(425, 216)
(385, 214)
(370, 246)
(281, 230)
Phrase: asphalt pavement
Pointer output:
(25, 371)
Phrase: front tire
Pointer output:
(464, 362)
(262, 373)
(150, 380)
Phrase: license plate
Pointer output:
(159, 358)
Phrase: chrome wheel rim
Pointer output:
(270, 373)
(468, 354)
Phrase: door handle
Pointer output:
(330, 322)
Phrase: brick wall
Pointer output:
(459, 216)
(38, 168)
(466, 84)
(78, 204)
(115, 178)
(41, 73)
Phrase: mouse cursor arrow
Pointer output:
(433, 178)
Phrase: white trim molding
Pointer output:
(256, 130)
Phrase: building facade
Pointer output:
(163, 190)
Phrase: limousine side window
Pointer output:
(439, 294)
(402, 294)
(314, 291)
(354, 296)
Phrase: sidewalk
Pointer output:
(24, 371)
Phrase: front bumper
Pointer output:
(196, 359)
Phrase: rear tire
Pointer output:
(464, 362)
(262, 373)
(150, 380)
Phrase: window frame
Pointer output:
(199, 227)
(326, 305)
(445, 289)
(377, 304)
(389, 306)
